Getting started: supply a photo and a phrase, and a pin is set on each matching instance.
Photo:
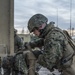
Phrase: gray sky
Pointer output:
(24, 9)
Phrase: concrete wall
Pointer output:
(6, 26)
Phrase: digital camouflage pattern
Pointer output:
(54, 46)
(55, 50)
(51, 48)
(20, 64)
(7, 64)
(36, 21)
(17, 65)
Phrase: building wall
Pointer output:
(6, 26)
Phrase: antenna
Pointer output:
(70, 16)
(57, 17)
(23, 30)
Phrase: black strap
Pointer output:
(64, 60)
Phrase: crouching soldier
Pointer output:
(58, 53)
(22, 63)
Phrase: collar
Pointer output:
(46, 30)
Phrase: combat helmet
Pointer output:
(36, 21)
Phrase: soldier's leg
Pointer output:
(31, 61)
(20, 66)
(37, 65)
(69, 70)
(17, 73)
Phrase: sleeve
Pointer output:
(53, 48)
(37, 43)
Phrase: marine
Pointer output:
(21, 62)
(15, 64)
(57, 51)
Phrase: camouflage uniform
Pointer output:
(7, 64)
(15, 64)
(56, 53)
(19, 64)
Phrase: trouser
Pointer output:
(19, 67)
(29, 65)
(9, 72)
(68, 70)
(17, 73)
(20, 64)
(31, 61)
(6, 69)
